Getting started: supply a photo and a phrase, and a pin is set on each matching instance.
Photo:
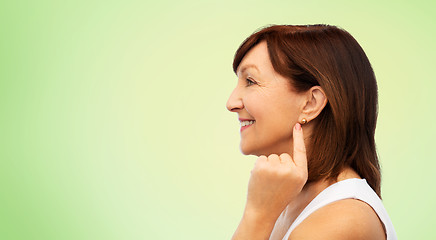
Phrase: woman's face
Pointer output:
(266, 104)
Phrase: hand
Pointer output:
(276, 180)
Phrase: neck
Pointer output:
(311, 190)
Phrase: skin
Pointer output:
(277, 189)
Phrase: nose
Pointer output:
(234, 103)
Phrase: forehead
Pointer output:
(257, 58)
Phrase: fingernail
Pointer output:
(298, 126)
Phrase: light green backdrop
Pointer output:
(113, 122)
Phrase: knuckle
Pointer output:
(261, 158)
(273, 158)
(285, 156)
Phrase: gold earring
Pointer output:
(303, 121)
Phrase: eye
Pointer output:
(250, 82)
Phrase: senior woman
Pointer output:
(306, 98)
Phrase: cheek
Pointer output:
(272, 111)
(289, 108)
(279, 116)
(256, 106)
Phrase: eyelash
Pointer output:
(250, 82)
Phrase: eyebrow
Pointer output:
(245, 67)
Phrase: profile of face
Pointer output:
(266, 103)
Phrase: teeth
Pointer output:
(246, 123)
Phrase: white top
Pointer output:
(353, 188)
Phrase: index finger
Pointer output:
(299, 157)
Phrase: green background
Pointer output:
(113, 122)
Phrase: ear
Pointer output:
(315, 103)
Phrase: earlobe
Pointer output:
(315, 103)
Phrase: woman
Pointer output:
(306, 98)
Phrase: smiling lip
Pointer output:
(245, 119)
(245, 127)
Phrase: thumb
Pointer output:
(300, 157)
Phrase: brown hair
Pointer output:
(327, 56)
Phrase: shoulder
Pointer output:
(344, 219)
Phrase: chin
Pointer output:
(246, 150)
(250, 150)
